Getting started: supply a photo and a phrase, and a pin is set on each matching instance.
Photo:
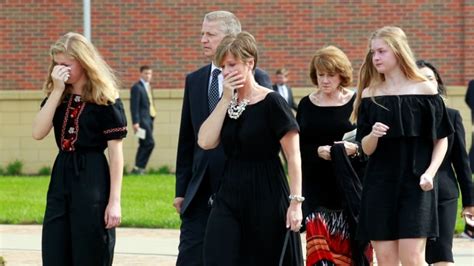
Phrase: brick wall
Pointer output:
(165, 34)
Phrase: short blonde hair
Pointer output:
(242, 46)
(331, 59)
(102, 85)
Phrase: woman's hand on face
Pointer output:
(60, 75)
(379, 130)
(324, 152)
(232, 82)
(113, 215)
(294, 216)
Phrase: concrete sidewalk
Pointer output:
(21, 245)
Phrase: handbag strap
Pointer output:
(285, 244)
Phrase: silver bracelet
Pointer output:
(296, 198)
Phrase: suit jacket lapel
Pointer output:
(204, 81)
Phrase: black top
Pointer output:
(320, 126)
(456, 161)
(86, 126)
(254, 190)
(245, 138)
(393, 205)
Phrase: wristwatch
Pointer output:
(296, 198)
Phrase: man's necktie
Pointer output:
(150, 100)
(214, 90)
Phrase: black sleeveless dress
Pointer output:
(247, 224)
(393, 204)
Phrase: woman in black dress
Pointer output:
(403, 127)
(83, 201)
(254, 206)
(323, 117)
(455, 170)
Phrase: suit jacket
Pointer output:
(139, 104)
(456, 161)
(262, 78)
(470, 98)
(291, 100)
(193, 163)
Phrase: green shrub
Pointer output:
(2, 171)
(2, 261)
(163, 170)
(45, 170)
(14, 168)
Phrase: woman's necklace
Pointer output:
(235, 110)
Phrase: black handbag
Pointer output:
(295, 246)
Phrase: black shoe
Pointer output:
(137, 171)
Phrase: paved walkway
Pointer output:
(21, 245)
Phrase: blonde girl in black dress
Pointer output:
(402, 124)
(83, 201)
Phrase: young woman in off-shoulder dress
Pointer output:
(402, 124)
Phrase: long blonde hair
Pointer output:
(396, 39)
(102, 85)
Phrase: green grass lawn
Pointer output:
(146, 201)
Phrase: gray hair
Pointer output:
(229, 22)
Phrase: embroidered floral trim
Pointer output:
(113, 130)
(70, 128)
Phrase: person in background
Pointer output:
(281, 86)
(198, 171)
(454, 171)
(403, 126)
(470, 102)
(85, 111)
(143, 113)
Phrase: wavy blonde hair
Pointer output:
(102, 84)
(396, 39)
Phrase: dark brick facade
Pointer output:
(166, 34)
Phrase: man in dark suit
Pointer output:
(143, 114)
(280, 86)
(198, 172)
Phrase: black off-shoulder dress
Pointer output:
(393, 204)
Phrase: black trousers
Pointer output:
(193, 228)
(441, 248)
(73, 228)
(145, 146)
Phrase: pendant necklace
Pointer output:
(235, 110)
